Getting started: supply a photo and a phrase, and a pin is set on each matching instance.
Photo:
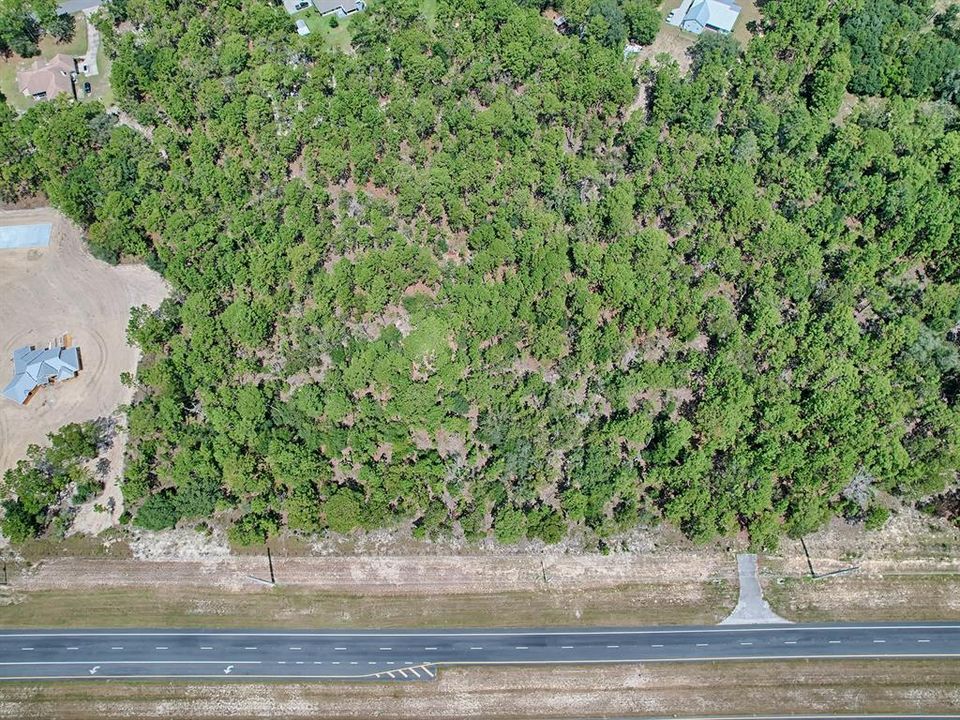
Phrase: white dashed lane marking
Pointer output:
(26, 648)
(429, 648)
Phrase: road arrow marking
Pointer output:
(228, 670)
(93, 670)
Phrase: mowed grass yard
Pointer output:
(339, 37)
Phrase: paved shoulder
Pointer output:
(751, 608)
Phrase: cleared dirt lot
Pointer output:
(534, 692)
(673, 42)
(62, 289)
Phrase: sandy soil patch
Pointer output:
(558, 692)
(57, 290)
(670, 41)
(182, 577)
(390, 575)
(89, 519)
(910, 569)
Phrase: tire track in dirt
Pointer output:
(63, 289)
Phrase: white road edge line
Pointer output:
(722, 629)
(507, 662)
(132, 662)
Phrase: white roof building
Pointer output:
(342, 8)
(33, 368)
(695, 16)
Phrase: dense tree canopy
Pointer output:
(448, 281)
(33, 492)
(24, 22)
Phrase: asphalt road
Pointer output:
(416, 655)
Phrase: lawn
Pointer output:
(749, 13)
(336, 38)
(74, 48)
(428, 8)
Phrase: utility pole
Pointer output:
(809, 563)
(273, 580)
(813, 573)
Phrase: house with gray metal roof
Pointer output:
(341, 8)
(715, 15)
(695, 16)
(33, 368)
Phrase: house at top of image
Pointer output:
(342, 8)
(46, 79)
(695, 16)
(34, 368)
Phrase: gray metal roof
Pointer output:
(33, 368)
(344, 7)
(25, 236)
(716, 14)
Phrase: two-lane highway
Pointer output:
(413, 655)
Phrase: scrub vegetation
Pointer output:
(446, 281)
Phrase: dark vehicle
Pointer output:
(87, 89)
